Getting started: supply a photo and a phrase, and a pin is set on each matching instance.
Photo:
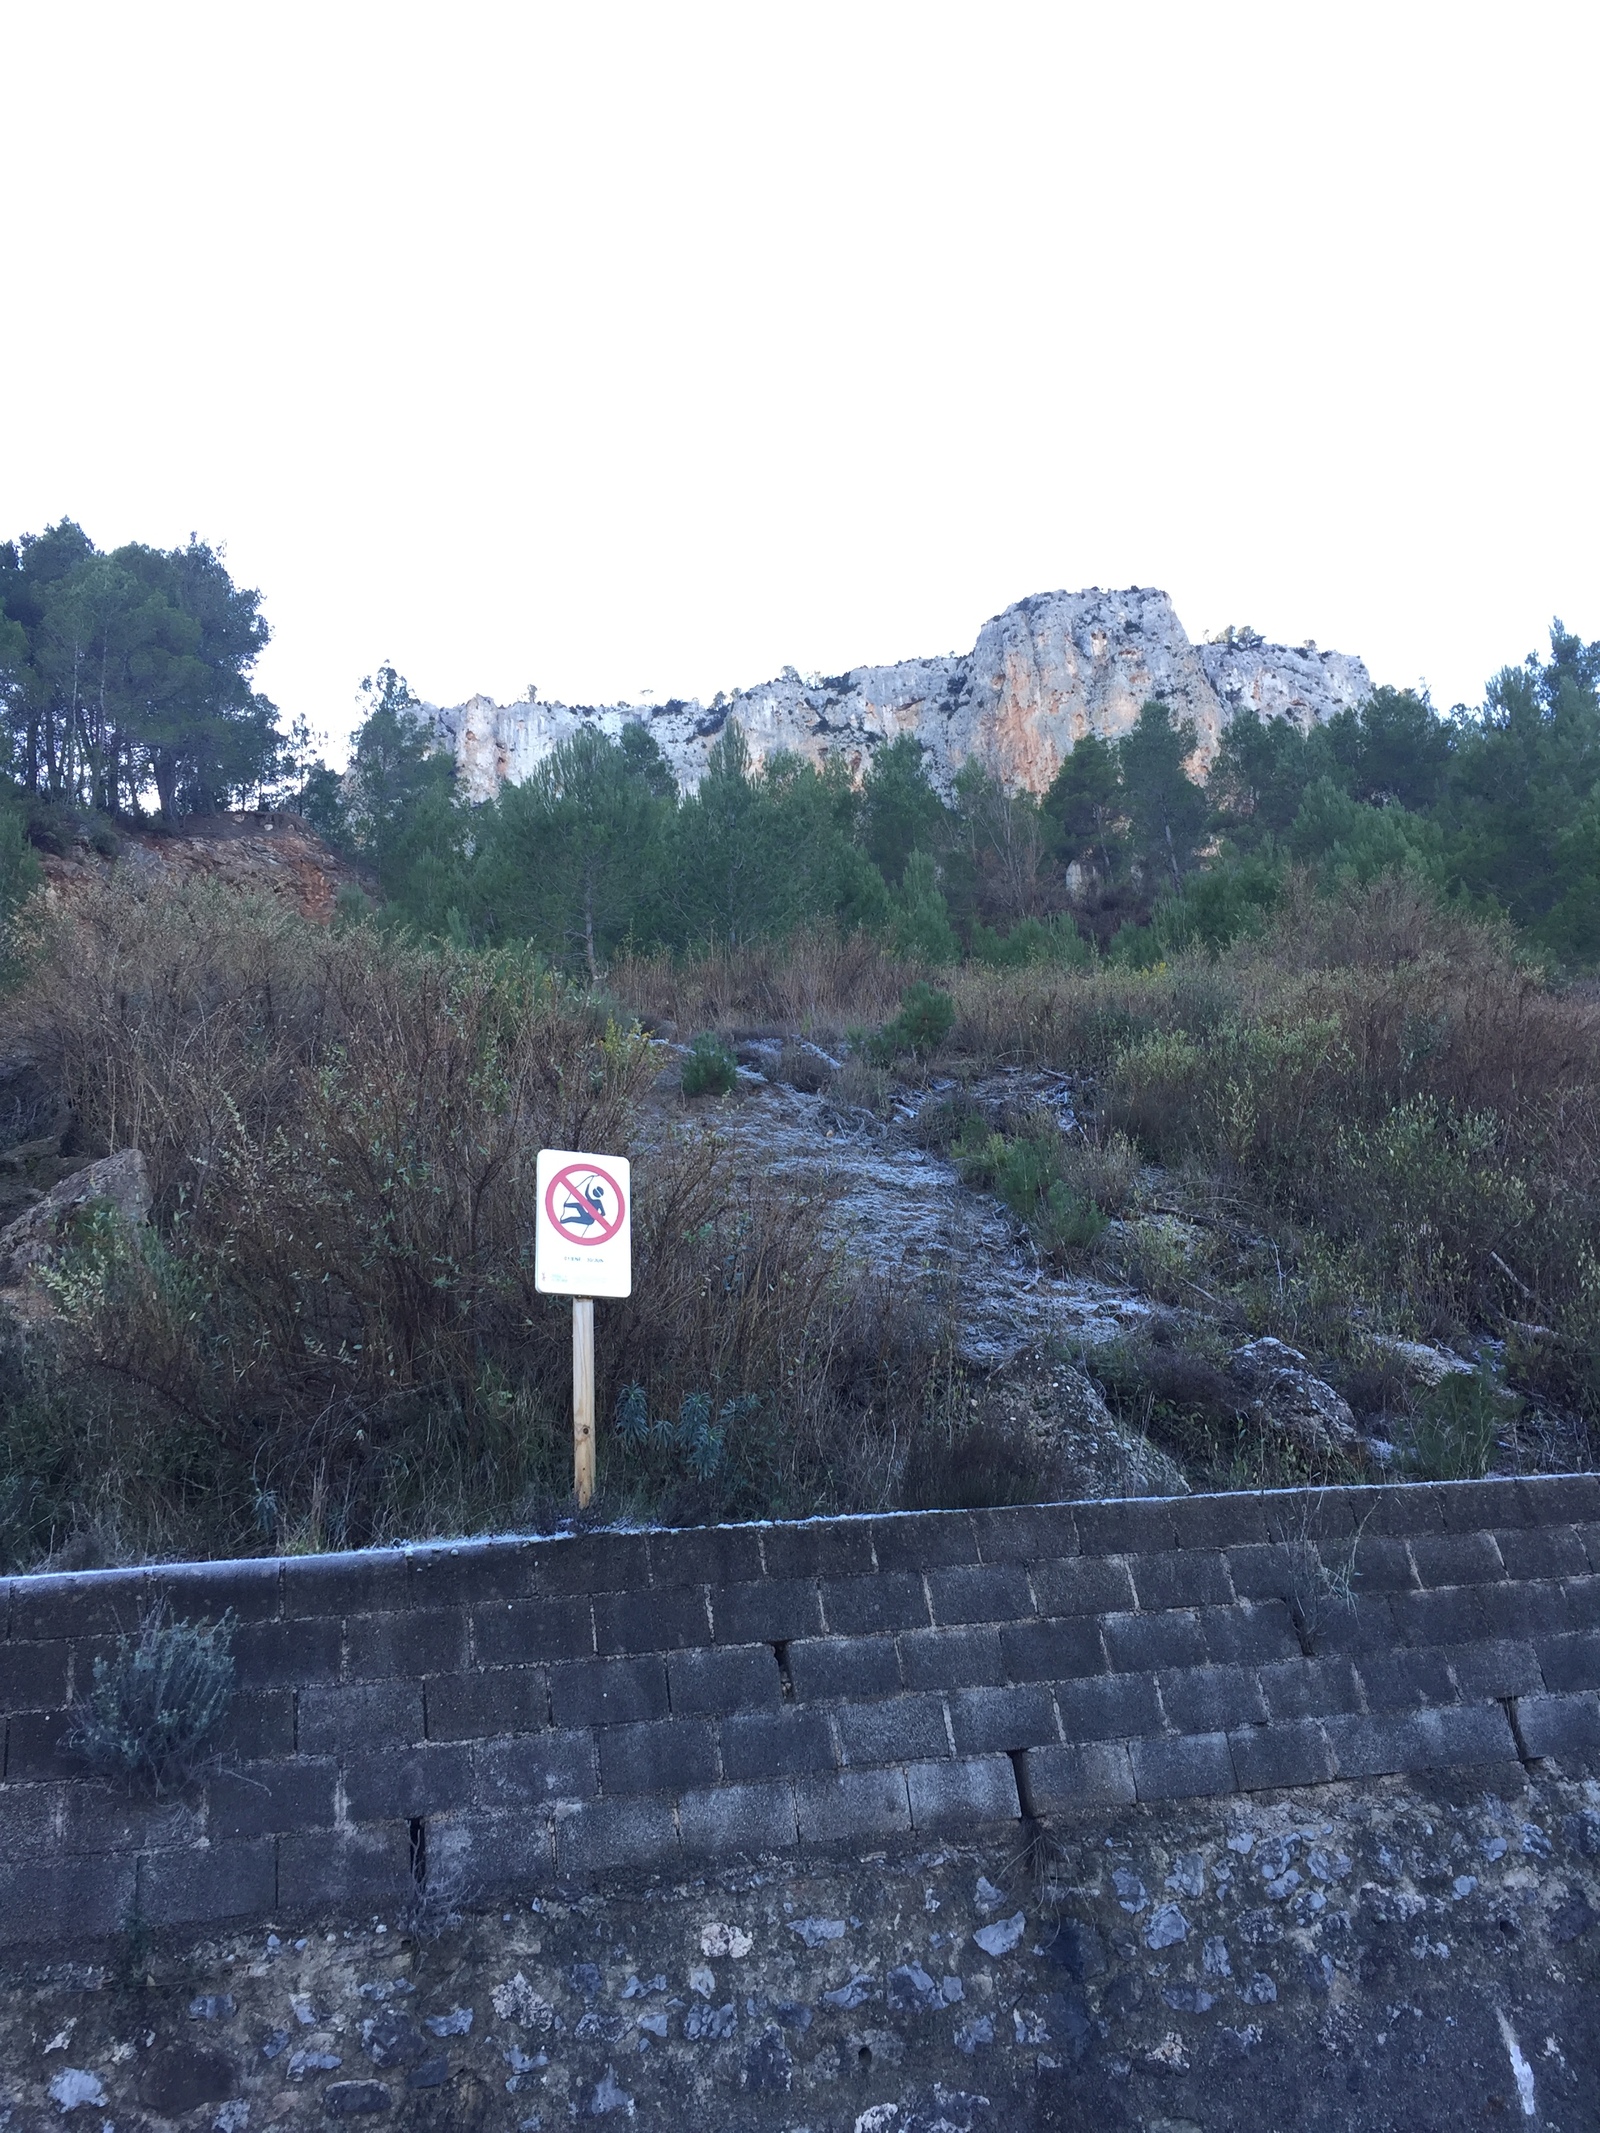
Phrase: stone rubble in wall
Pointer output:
(1042, 675)
(1341, 1956)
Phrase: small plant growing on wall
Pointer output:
(157, 1704)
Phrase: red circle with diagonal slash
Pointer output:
(566, 1180)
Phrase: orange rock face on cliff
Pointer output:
(274, 852)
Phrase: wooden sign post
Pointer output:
(583, 1248)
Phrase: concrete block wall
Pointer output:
(513, 1712)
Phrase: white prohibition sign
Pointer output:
(583, 1233)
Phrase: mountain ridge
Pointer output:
(1044, 673)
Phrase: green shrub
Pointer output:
(157, 1703)
(1458, 1424)
(710, 1069)
(926, 1018)
(1029, 1173)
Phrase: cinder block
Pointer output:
(50, 1901)
(287, 1654)
(730, 1820)
(705, 1555)
(359, 1717)
(1583, 1601)
(423, 1640)
(1474, 1506)
(197, 1887)
(1212, 1699)
(250, 1589)
(1549, 1500)
(1138, 1642)
(360, 1581)
(1541, 1551)
(487, 1702)
(594, 1562)
(900, 1729)
(892, 1599)
(608, 1692)
(1309, 1688)
(600, 1836)
(1421, 1740)
(1405, 1680)
(851, 1667)
(980, 1592)
(1137, 1525)
(924, 1540)
(1559, 1725)
(261, 1799)
(1009, 1718)
(1368, 1623)
(1402, 1508)
(951, 1658)
(1294, 1516)
(1381, 1563)
(106, 1818)
(1026, 1533)
(1062, 1649)
(78, 1603)
(818, 1547)
(1456, 1559)
(1088, 1585)
(1536, 1609)
(1568, 1663)
(33, 1677)
(1261, 1570)
(1590, 1536)
(736, 1678)
(409, 1782)
(852, 1807)
(769, 1744)
(1192, 1766)
(321, 1870)
(259, 1725)
(478, 1851)
(1450, 1616)
(1219, 1521)
(532, 1770)
(654, 1621)
(771, 1611)
(533, 1632)
(1502, 1668)
(1249, 1633)
(475, 1573)
(35, 1747)
(1181, 1577)
(30, 1817)
(1266, 1757)
(1066, 1780)
(1113, 1707)
(964, 1794)
(672, 1755)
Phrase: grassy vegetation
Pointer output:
(1372, 1121)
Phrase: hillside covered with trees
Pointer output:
(1496, 810)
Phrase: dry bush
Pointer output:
(817, 979)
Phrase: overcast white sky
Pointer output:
(651, 347)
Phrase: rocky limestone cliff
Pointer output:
(1043, 674)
